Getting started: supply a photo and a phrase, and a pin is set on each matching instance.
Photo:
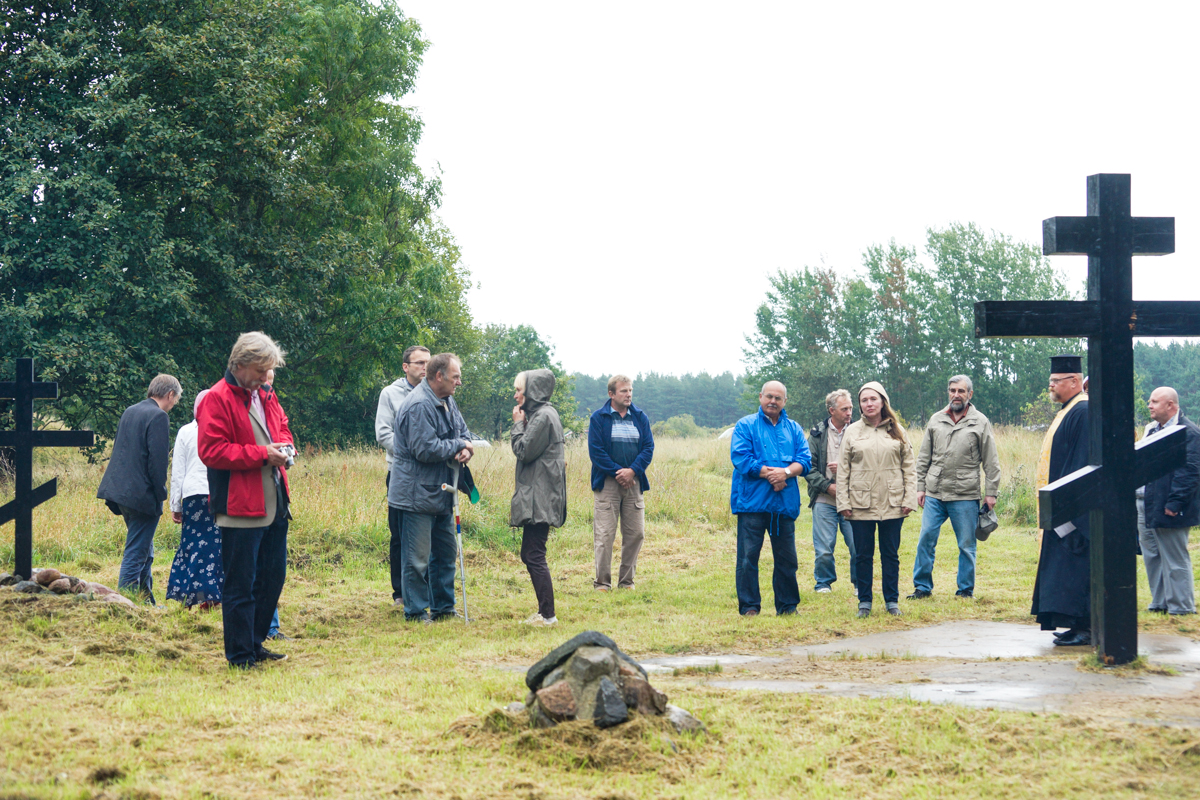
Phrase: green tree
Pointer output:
(177, 172)
(486, 396)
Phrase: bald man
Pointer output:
(1167, 508)
(769, 453)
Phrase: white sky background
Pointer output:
(624, 176)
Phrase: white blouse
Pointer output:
(189, 476)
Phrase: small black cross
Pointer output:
(23, 440)
(1109, 236)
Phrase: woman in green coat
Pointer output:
(540, 500)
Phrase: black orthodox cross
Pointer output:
(1110, 318)
(24, 390)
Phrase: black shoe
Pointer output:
(919, 594)
(1065, 634)
(894, 611)
(864, 612)
(246, 667)
(1154, 610)
(279, 636)
(266, 655)
(1079, 639)
(965, 593)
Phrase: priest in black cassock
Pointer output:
(1061, 594)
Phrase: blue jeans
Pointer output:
(963, 516)
(889, 557)
(139, 553)
(255, 561)
(429, 552)
(825, 524)
(751, 528)
(274, 629)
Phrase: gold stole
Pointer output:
(1043, 467)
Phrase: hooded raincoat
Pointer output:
(538, 443)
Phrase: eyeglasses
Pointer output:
(1056, 381)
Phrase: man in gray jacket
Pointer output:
(957, 441)
(135, 483)
(416, 359)
(429, 432)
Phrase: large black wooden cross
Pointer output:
(1109, 318)
(24, 439)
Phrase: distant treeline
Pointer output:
(713, 401)
(1176, 365)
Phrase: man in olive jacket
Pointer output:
(957, 441)
(429, 432)
(135, 482)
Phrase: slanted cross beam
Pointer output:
(20, 509)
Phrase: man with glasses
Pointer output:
(416, 359)
(1062, 592)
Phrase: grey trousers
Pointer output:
(1168, 566)
(613, 502)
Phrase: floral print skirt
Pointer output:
(196, 572)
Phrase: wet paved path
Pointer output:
(980, 664)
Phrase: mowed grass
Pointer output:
(96, 699)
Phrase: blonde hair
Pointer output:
(256, 347)
(617, 380)
(519, 382)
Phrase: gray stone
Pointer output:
(6, 579)
(515, 708)
(28, 587)
(74, 581)
(529, 698)
(590, 663)
(610, 707)
(555, 676)
(559, 655)
(539, 718)
(682, 720)
(79, 588)
(558, 701)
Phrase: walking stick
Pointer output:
(462, 566)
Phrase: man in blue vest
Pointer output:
(769, 453)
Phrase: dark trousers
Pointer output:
(889, 557)
(533, 555)
(139, 553)
(430, 553)
(395, 546)
(751, 529)
(255, 562)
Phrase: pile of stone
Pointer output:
(50, 580)
(589, 678)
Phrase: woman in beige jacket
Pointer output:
(877, 487)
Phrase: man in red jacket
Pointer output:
(241, 434)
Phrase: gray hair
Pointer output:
(256, 347)
(163, 385)
(961, 379)
(837, 394)
(781, 383)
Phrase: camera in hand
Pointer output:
(290, 452)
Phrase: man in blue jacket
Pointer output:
(769, 452)
(620, 445)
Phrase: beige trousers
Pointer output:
(613, 502)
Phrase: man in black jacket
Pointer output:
(135, 483)
(1167, 511)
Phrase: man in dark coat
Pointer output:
(1166, 512)
(135, 483)
(1061, 594)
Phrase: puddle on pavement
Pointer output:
(974, 639)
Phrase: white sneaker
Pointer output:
(825, 590)
(545, 623)
(536, 619)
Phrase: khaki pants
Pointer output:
(613, 502)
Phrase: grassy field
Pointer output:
(97, 701)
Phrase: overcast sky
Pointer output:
(624, 176)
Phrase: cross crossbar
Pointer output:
(1080, 236)
(1076, 319)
